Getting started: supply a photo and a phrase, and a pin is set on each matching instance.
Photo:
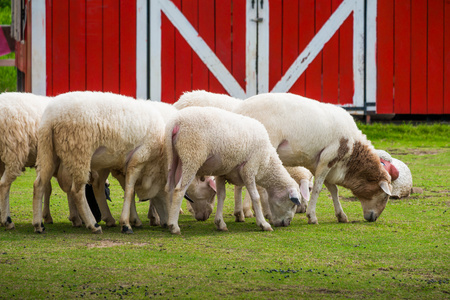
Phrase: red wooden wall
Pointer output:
(221, 24)
(293, 23)
(413, 57)
(91, 45)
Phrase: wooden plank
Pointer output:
(199, 70)
(275, 45)
(77, 49)
(167, 60)
(183, 54)
(238, 44)
(447, 57)
(205, 19)
(346, 84)
(385, 50)
(60, 47)
(38, 54)
(314, 82)
(127, 75)
(94, 45)
(290, 39)
(111, 46)
(331, 63)
(223, 41)
(142, 49)
(402, 57)
(306, 31)
(49, 45)
(418, 57)
(435, 44)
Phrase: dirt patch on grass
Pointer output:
(419, 152)
(109, 243)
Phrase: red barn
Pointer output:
(372, 56)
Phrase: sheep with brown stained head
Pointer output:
(324, 139)
(234, 148)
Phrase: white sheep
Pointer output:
(234, 148)
(402, 182)
(20, 114)
(301, 175)
(101, 131)
(241, 210)
(206, 99)
(324, 139)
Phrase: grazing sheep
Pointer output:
(101, 131)
(206, 99)
(402, 182)
(20, 114)
(301, 175)
(202, 190)
(324, 139)
(234, 148)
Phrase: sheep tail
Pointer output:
(46, 155)
(174, 176)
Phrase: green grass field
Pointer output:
(404, 255)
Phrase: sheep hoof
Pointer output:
(222, 229)
(342, 218)
(313, 221)
(220, 225)
(48, 220)
(239, 217)
(248, 214)
(110, 222)
(137, 223)
(266, 227)
(174, 229)
(126, 229)
(39, 228)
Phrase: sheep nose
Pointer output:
(202, 216)
(372, 217)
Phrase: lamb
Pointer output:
(324, 139)
(402, 182)
(301, 175)
(210, 141)
(101, 131)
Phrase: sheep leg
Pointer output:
(44, 175)
(133, 171)
(338, 211)
(98, 186)
(221, 194)
(134, 218)
(5, 185)
(46, 213)
(238, 210)
(264, 201)
(153, 215)
(321, 174)
(79, 196)
(74, 216)
(248, 213)
(254, 195)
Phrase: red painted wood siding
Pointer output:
(413, 60)
(221, 24)
(293, 23)
(91, 45)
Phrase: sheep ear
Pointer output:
(304, 189)
(187, 198)
(385, 187)
(294, 197)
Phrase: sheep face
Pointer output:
(283, 205)
(202, 192)
(374, 206)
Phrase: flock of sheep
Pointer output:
(272, 144)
